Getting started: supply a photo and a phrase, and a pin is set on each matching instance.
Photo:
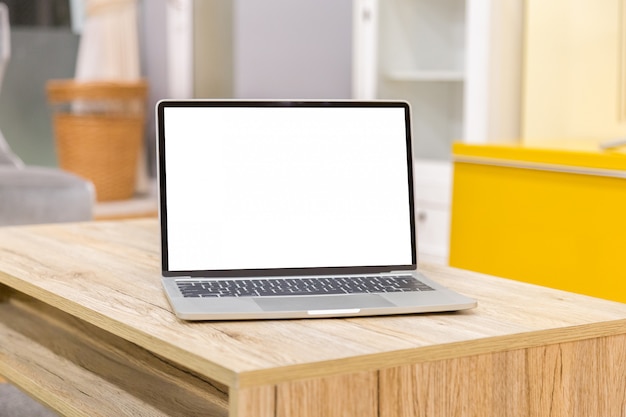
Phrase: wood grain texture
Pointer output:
(107, 274)
(469, 386)
(345, 395)
(76, 368)
(577, 379)
(586, 378)
(83, 318)
(253, 402)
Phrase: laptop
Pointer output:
(290, 209)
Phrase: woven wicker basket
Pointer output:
(99, 130)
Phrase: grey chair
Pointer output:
(37, 194)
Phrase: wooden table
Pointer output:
(86, 329)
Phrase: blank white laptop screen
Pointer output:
(251, 188)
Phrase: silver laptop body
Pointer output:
(290, 209)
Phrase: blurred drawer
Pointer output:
(433, 182)
(433, 228)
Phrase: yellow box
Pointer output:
(552, 217)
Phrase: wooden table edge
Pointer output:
(439, 352)
(248, 378)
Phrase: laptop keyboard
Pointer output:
(273, 287)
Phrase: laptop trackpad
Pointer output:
(331, 302)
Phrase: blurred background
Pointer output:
(424, 51)
(504, 72)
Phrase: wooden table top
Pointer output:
(108, 274)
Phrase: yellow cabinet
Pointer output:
(574, 83)
(547, 216)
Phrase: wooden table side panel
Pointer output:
(578, 379)
(354, 394)
(259, 401)
(585, 378)
(465, 386)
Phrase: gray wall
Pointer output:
(273, 48)
(293, 49)
(153, 40)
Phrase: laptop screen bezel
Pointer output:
(162, 173)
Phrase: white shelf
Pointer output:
(427, 76)
(425, 53)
